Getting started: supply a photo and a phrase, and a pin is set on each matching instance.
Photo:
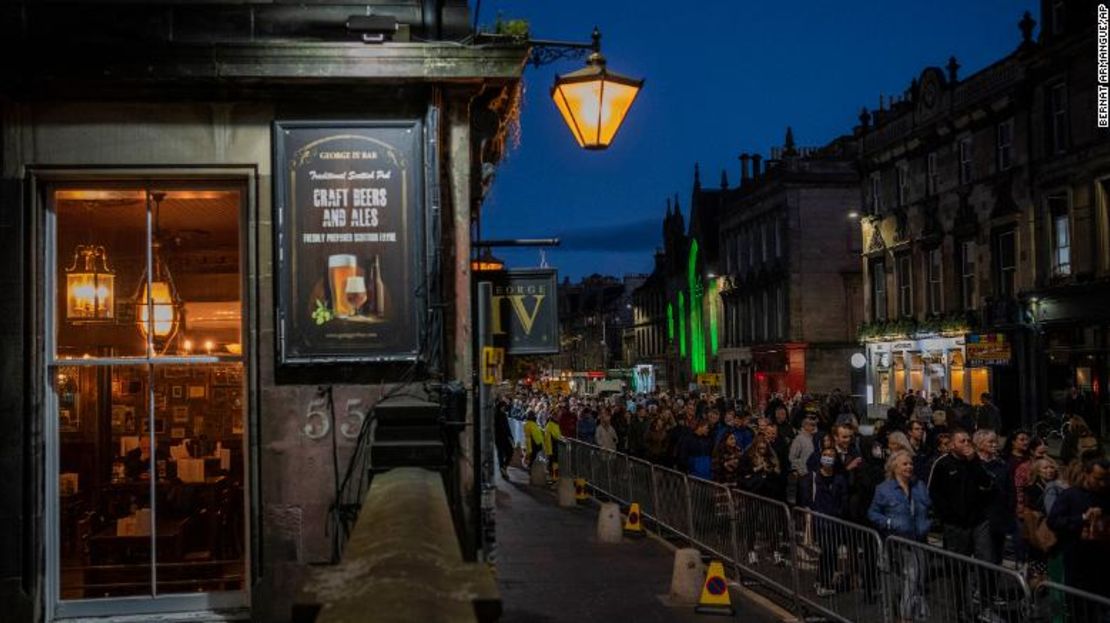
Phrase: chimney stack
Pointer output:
(745, 176)
(756, 173)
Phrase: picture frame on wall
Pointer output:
(177, 432)
(160, 401)
(178, 391)
(180, 415)
(197, 392)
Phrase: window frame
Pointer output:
(966, 160)
(879, 294)
(876, 192)
(1059, 210)
(1058, 118)
(968, 280)
(1005, 274)
(931, 174)
(903, 277)
(44, 183)
(934, 275)
(1004, 149)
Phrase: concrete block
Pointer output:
(687, 575)
(566, 492)
(538, 474)
(610, 529)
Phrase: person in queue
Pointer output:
(900, 507)
(826, 492)
(1079, 519)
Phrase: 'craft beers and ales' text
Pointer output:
(1103, 62)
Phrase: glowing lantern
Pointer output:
(90, 285)
(594, 100)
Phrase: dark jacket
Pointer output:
(960, 490)
(1084, 560)
(695, 455)
(827, 495)
(1000, 502)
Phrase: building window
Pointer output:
(1005, 144)
(149, 403)
(905, 285)
(751, 248)
(751, 319)
(1059, 18)
(1058, 117)
(764, 333)
(876, 192)
(903, 183)
(932, 175)
(967, 274)
(764, 246)
(878, 290)
(779, 224)
(780, 316)
(965, 161)
(1061, 235)
(1006, 263)
(933, 259)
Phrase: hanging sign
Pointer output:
(990, 349)
(348, 218)
(524, 311)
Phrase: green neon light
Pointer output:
(697, 331)
(713, 316)
(681, 325)
(670, 322)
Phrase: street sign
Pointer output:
(493, 360)
(989, 349)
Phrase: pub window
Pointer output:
(1061, 236)
(965, 160)
(1005, 263)
(1005, 145)
(878, 289)
(967, 274)
(1058, 117)
(933, 260)
(932, 174)
(904, 277)
(148, 392)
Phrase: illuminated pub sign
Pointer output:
(348, 218)
(988, 349)
(525, 315)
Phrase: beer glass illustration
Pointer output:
(340, 269)
(355, 293)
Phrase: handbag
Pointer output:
(1036, 532)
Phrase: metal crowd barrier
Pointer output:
(926, 583)
(839, 565)
(672, 500)
(825, 565)
(764, 545)
(1058, 603)
(713, 520)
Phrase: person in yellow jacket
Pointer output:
(533, 438)
(552, 435)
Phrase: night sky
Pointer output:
(722, 77)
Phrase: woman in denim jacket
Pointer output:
(901, 508)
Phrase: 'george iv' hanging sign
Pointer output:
(348, 233)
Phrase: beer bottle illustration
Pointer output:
(378, 304)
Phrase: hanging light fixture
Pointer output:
(158, 308)
(486, 262)
(90, 285)
(594, 100)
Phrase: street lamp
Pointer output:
(486, 262)
(594, 100)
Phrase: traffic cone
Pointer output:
(634, 525)
(580, 494)
(714, 592)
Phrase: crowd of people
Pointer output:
(933, 466)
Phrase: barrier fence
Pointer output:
(823, 565)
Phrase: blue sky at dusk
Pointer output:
(722, 77)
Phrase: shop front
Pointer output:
(926, 366)
(217, 273)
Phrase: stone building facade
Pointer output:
(984, 201)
